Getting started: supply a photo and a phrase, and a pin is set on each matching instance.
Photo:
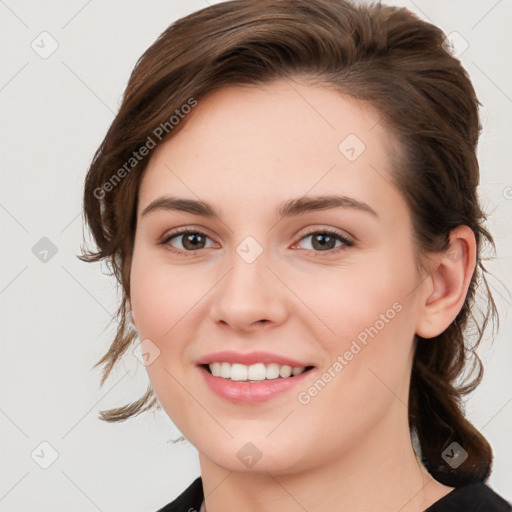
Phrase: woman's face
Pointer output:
(332, 285)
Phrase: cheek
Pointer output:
(369, 318)
(162, 300)
(354, 303)
(162, 295)
(368, 358)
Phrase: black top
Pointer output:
(468, 498)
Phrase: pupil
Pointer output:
(192, 239)
(323, 240)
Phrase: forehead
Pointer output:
(253, 145)
(291, 118)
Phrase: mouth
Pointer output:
(254, 373)
(242, 390)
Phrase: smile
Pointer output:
(253, 372)
(244, 389)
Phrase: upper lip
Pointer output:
(249, 358)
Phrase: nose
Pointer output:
(249, 297)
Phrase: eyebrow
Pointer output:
(291, 207)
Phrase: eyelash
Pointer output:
(345, 241)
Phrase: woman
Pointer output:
(288, 198)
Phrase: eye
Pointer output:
(191, 240)
(325, 241)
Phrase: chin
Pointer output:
(258, 457)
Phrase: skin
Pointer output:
(246, 150)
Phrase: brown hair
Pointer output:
(384, 56)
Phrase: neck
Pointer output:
(374, 476)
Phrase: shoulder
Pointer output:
(476, 497)
(189, 500)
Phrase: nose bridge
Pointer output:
(249, 292)
(248, 277)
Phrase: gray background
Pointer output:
(55, 309)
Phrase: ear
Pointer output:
(447, 284)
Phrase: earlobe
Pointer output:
(448, 283)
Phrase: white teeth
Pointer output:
(272, 371)
(254, 372)
(214, 369)
(238, 372)
(258, 371)
(286, 371)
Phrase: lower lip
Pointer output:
(250, 392)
